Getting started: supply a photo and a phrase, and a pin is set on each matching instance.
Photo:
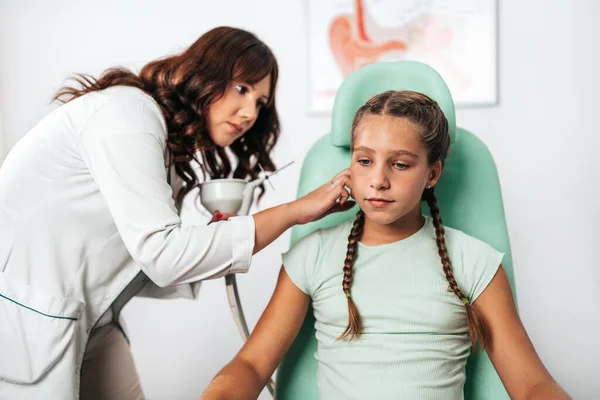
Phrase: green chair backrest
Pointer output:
(468, 193)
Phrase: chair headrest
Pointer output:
(367, 81)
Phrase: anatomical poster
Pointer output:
(455, 37)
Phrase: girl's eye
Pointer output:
(241, 89)
(364, 162)
(260, 105)
(400, 165)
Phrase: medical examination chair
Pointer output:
(468, 192)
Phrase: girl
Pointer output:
(415, 296)
(89, 213)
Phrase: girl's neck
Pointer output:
(376, 234)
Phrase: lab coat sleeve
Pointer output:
(123, 146)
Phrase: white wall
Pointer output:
(2, 145)
(543, 135)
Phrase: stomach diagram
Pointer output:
(422, 36)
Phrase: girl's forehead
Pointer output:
(387, 133)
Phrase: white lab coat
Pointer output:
(84, 207)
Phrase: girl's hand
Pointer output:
(324, 200)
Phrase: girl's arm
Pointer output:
(512, 353)
(247, 374)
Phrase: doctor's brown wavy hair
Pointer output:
(184, 86)
(426, 113)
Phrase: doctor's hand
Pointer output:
(218, 216)
(324, 200)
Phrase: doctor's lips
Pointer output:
(236, 127)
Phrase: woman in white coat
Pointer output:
(89, 202)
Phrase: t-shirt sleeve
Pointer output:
(300, 261)
(480, 262)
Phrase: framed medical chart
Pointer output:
(456, 37)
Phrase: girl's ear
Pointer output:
(434, 173)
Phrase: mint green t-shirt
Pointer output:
(415, 340)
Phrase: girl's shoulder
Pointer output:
(459, 240)
(474, 261)
(323, 238)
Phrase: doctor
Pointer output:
(89, 202)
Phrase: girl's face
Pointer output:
(231, 116)
(389, 168)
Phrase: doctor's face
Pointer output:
(232, 115)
